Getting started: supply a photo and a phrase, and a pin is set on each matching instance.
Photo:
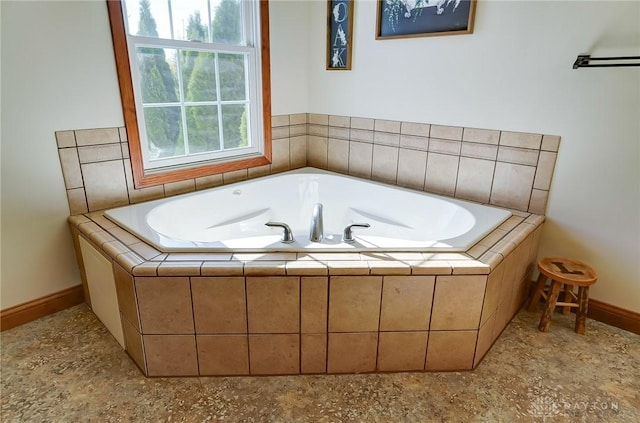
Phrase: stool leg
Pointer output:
(581, 315)
(567, 299)
(545, 320)
(542, 280)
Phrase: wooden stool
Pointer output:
(568, 273)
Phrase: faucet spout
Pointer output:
(316, 231)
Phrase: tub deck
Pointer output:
(190, 314)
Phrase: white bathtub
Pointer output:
(233, 217)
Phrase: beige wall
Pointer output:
(513, 73)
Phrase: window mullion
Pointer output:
(219, 95)
(182, 92)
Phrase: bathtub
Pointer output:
(233, 217)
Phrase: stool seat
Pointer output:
(565, 273)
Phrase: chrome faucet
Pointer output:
(287, 236)
(316, 231)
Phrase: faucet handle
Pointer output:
(347, 235)
(287, 236)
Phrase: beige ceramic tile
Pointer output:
(484, 136)
(97, 136)
(133, 344)
(298, 151)
(280, 155)
(475, 177)
(144, 194)
(123, 236)
(412, 167)
(265, 268)
(418, 129)
(317, 119)
(318, 130)
(386, 138)
(219, 305)
(298, 119)
(479, 151)
(430, 267)
(255, 172)
(544, 172)
(385, 163)
(122, 131)
(105, 185)
(522, 156)
(338, 160)
(340, 133)
(317, 151)
(324, 257)
(77, 201)
(510, 223)
(469, 267)
(352, 352)
(485, 339)
(180, 268)
(279, 132)
(406, 303)
(208, 181)
(313, 297)
(414, 142)
(273, 304)
(65, 139)
(274, 354)
(171, 355)
(279, 120)
(124, 146)
(550, 142)
(362, 123)
(340, 121)
(402, 351)
(114, 248)
(446, 132)
(355, 303)
(221, 268)
(250, 257)
(437, 145)
(100, 153)
(306, 268)
(145, 251)
(361, 135)
(457, 302)
(70, 168)
(234, 176)
(297, 130)
(492, 293)
(199, 256)
(347, 267)
(451, 350)
(126, 296)
(164, 305)
(179, 187)
(223, 355)
(389, 268)
(520, 139)
(512, 185)
(313, 350)
(146, 269)
(491, 259)
(381, 125)
(360, 159)
(442, 171)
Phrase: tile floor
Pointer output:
(67, 368)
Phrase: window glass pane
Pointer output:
(164, 131)
(148, 18)
(232, 77)
(202, 128)
(190, 20)
(226, 27)
(234, 125)
(157, 69)
(199, 76)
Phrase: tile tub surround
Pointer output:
(502, 168)
(210, 314)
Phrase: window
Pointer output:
(194, 82)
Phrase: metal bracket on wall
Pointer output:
(584, 61)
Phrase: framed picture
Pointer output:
(422, 18)
(339, 34)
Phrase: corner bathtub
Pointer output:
(233, 217)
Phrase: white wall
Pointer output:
(515, 73)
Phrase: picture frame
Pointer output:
(339, 34)
(424, 18)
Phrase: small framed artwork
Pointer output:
(339, 34)
(423, 18)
